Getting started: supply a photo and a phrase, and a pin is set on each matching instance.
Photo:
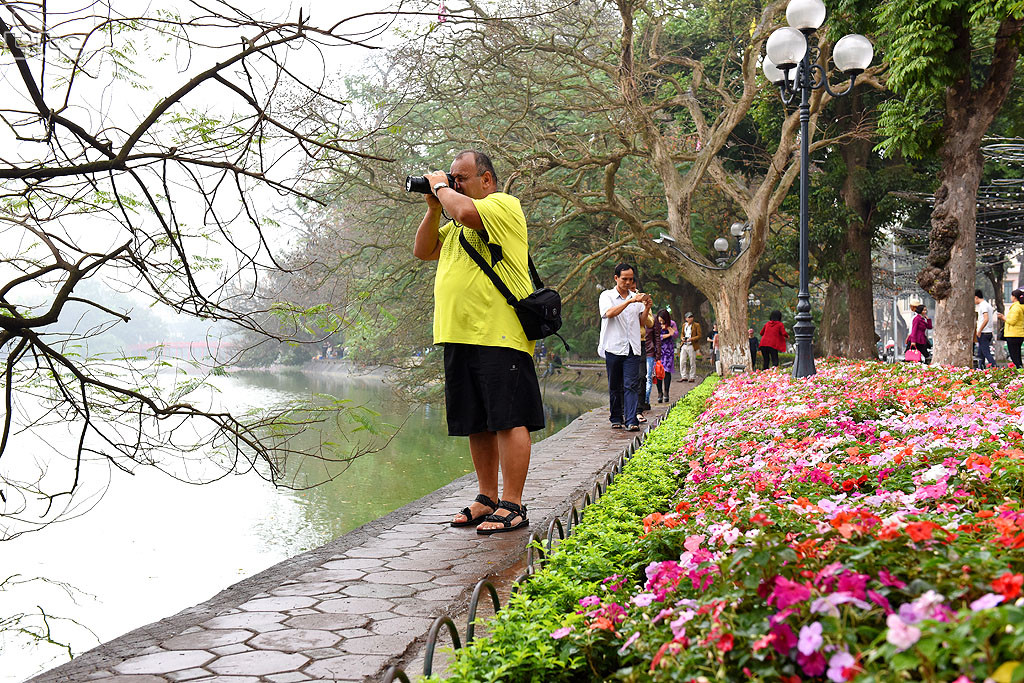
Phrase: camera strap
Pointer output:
(496, 255)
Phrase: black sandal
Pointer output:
(468, 514)
(506, 521)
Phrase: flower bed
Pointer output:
(865, 523)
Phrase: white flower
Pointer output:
(934, 473)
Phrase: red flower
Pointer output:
(725, 642)
(921, 531)
(761, 519)
(1008, 585)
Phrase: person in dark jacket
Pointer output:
(754, 343)
(773, 339)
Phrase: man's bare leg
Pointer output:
(514, 453)
(483, 446)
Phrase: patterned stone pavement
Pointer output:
(352, 608)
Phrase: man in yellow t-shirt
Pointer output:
(491, 388)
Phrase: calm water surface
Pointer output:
(153, 546)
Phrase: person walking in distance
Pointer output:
(1013, 326)
(984, 328)
(491, 389)
(753, 342)
(667, 353)
(689, 344)
(623, 313)
(773, 339)
(918, 337)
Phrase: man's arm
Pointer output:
(427, 246)
(619, 308)
(461, 208)
(982, 324)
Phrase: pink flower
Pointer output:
(788, 592)
(643, 599)
(663, 614)
(558, 634)
(692, 543)
(810, 638)
(900, 633)
(987, 601)
(829, 604)
(838, 666)
(630, 641)
(679, 625)
(590, 601)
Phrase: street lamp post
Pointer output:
(788, 65)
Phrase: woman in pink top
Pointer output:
(917, 336)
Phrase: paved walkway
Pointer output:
(350, 609)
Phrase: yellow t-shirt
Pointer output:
(468, 308)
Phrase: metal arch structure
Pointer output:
(999, 218)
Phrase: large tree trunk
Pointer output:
(731, 317)
(835, 324)
(859, 230)
(950, 271)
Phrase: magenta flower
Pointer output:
(853, 583)
(812, 664)
(590, 601)
(900, 633)
(880, 600)
(888, 579)
(810, 638)
(788, 592)
(785, 639)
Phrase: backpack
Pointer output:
(540, 313)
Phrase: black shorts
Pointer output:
(490, 389)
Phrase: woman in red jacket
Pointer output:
(773, 339)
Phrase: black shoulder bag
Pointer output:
(540, 314)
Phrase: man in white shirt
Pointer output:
(984, 328)
(623, 314)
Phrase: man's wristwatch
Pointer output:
(439, 186)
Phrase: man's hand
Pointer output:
(435, 177)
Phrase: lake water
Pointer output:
(153, 546)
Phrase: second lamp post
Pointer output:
(789, 66)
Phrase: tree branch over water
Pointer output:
(144, 155)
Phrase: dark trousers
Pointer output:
(769, 354)
(985, 350)
(667, 382)
(623, 384)
(1013, 348)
